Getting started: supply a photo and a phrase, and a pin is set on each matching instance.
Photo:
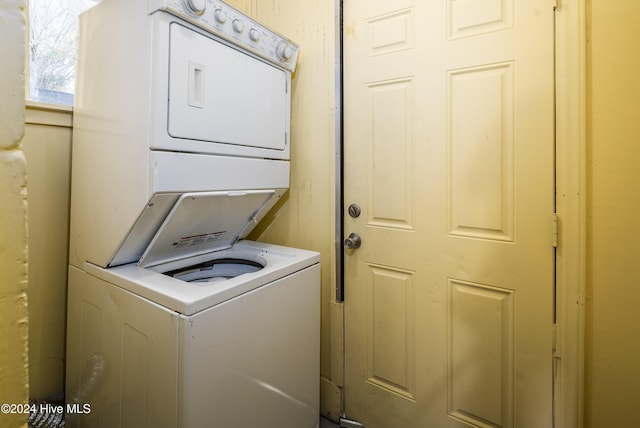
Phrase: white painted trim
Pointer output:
(47, 106)
(571, 208)
(48, 114)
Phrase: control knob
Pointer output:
(254, 34)
(238, 26)
(196, 6)
(220, 15)
(284, 52)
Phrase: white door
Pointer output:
(449, 153)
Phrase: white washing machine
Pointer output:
(180, 147)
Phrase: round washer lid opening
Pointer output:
(215, 270)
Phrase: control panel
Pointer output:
(228, 23)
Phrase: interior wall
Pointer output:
(612, 378)
(14, 379)
(306, 218)
(47, 148)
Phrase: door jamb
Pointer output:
(339, 153)
(571, 210)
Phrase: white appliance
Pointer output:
(180, 147)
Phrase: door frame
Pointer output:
(571, 209)
(571, 181)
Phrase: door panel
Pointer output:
(449, 150)
(481, 152)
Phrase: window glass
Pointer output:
(53, 35)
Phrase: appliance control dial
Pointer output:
(238, 26)
(284, 52)
(196, 6)
(220, 15)
(254, 34)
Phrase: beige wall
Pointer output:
(612, 377)
(14, 386)
(47, 148)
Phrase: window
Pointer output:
(53, 35)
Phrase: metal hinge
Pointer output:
(555, 357)
(556, 354)
(554, 230)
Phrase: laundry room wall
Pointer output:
(14, 378)
(612, 377)
(47, 148)
(306, 218)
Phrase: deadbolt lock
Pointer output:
(354, 210)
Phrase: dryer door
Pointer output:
(223, 96)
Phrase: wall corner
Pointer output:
(14, 374)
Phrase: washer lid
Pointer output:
(204, 222)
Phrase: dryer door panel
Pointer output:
(218, 94)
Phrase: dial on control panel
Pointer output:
(238, 26)
(284, 52)
(220, 15)
(196, 6)
(254, 34)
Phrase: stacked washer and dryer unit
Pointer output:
(180, 146)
